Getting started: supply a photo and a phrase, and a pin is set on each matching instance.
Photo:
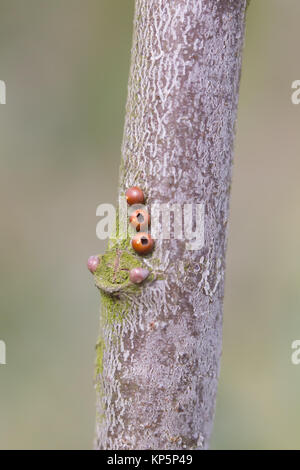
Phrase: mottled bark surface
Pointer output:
(160, 356)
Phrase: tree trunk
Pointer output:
(159, 351)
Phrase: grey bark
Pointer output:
(161, 364)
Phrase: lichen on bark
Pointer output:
(117, 291)
(158, 362)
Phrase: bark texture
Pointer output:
(160, 346)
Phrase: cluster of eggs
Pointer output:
(142, 242)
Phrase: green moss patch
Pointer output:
(99, 357)
(112, 275)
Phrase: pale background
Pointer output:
(66, 64)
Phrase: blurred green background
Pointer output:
(66, 65)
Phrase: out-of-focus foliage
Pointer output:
(66, 65)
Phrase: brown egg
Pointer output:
(134, 195)
(140, 220)
(142, 243)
